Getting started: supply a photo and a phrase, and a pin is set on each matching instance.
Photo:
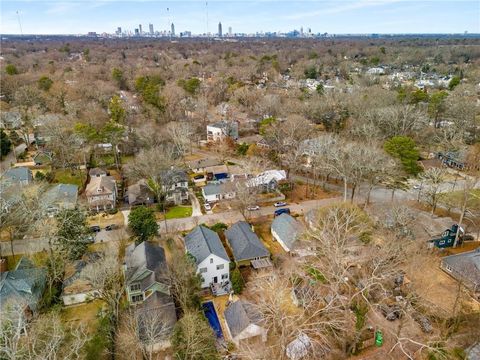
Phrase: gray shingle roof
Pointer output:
(466, 265)
(61, 194)
(239, 315)
(244, 242)
(287, 228)
(212, 189)
(201, 242)
(18, 174)
(146, 256)
(22, 286)
(174, 176)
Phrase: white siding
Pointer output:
(212, 271)
(279, 239)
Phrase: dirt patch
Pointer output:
(262, 229)
(104, 219)
(302, 192)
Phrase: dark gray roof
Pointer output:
(18, 174)
(201, 242)
(160, 306)
(23, 286)
(244, 242)
(97, 171)
(287, 228)
(212, 189)
(140, 193)
(466, 264)
(239, 315)
(146, 256)
(174, 176)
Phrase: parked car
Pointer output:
(207, 206)
(280, 204)
(95, 229)
(90, 239)
(281, 211)
(199, 177)
(111, 227)
(253, 207)
(417, 187)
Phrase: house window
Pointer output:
(224, 276)
(137, 298)
(449, 269)
(203, 270)
(135, 287)
(220, 267)
(211, 260)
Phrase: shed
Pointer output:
(244, 322)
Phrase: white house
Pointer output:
(211, 258)
(221, 130)
(268, 179)
(216, 191)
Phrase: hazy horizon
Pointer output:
(334, 17)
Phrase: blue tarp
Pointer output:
(212, 318)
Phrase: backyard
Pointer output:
(176, 212)
(67, 176)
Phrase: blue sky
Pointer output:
(340, 16)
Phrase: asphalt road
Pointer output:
(5, 164)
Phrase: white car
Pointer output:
(207, 206)
(417, 187)
(253, 208)
(280, 204)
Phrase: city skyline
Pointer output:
(354, 17)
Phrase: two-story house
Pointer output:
(221, 130)
(148, 288)
(175, 186)
(101, 193)
(210, 257)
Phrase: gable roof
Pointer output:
(145, 256)
(244, 242)
(100, 186)
(201, 242)
(239, 315)
(267, 177)
(465, 264)
(18, 174)
(23, 286)
(174, 176)
(61, 194)
(97, 171)
(202, 163)
(139, 192)
(287, 228)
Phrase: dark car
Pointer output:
(111, 227)
(95, 228)
(281, 211)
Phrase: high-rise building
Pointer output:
(172, 29)
(137, 32)
(119, 30)
(220, 29)
(230, 31)
(150, 28)
(140, 29)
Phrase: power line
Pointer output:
(19, 22)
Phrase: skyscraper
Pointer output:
(172, 29)
(137, 32)
(220, 29)
(150, 28)
(140, 29)
(119, 30)
(230, 31)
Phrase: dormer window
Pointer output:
(135, 287)
(211, 260)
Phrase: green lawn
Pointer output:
(77, 177)
(179, 212)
